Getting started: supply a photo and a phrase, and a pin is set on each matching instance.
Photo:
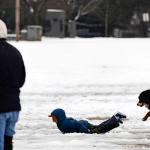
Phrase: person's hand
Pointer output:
(92, 131)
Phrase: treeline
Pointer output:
(118, 12)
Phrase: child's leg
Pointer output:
(108, 125)
(91, 126)
(101, 127)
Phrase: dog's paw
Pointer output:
(144, 119)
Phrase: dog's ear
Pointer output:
(140, 99)
(145, 97)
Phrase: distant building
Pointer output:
(55, 23)
(34, 33)
(139, 26)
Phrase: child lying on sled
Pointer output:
(70, 125)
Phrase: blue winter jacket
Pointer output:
(69, 125)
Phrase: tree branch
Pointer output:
(26, 3)
(83, 10)
(78, 14)
(41, 5)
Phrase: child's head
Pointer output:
(58, 115)
(53, 118)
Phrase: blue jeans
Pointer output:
(7, 125)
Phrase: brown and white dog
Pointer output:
(144, 100)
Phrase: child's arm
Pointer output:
(79, 126)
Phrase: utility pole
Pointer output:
(17, 19)
(106, 18)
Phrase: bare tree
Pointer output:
(35, 6)
(30, 3)
(38, 8)
(84, 7)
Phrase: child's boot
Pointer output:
(119, 116)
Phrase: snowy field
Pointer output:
(90, 79)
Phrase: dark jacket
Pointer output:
(12, 77)
(69, 125)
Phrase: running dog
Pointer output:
(144, 100)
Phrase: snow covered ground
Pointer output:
(90, 79)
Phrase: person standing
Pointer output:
(12, 78)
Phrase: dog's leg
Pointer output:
(146, 116)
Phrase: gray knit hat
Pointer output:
(3, 30)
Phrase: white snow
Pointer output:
(55, 10)
(90, 79)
